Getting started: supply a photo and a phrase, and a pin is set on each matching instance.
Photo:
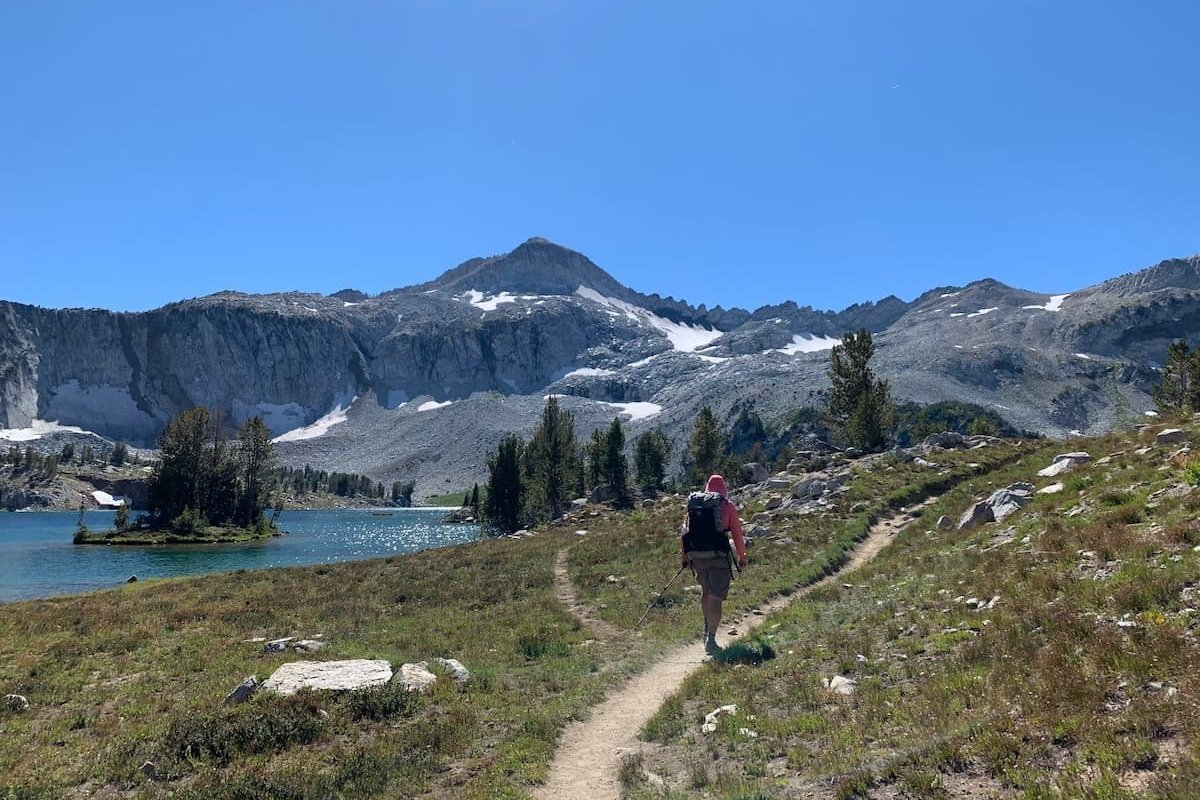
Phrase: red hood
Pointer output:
(716, 484)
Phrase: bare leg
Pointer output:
(712, 613)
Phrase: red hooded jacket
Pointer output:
(729, 516)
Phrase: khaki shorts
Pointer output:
(714, 573)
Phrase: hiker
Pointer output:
(705, 547)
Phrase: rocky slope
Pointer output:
(419, 383)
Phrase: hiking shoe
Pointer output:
(710, 646)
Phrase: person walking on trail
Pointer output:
(711, 519)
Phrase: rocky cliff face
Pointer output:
(18, 372)
(420, 382)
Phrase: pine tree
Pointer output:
(1174, 390)
(506, 485)
(860, 404)
(180, 476)
(616, 466)
(475, 500)
(552, 461)
(257, 467)
(119, 455)
(596, 448)
(651, 451)
(706, 447)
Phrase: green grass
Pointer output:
(1043, 694)
(455, 499)
(137, 674)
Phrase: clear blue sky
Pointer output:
(827, 152)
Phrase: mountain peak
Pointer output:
(536, 266)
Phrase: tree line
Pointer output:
(536, 480)
(47, 466)
(306, 480)
(533, 481)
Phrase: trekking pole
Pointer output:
(660, 594)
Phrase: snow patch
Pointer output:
(638, 410)
(1053, 304)
(1084, 356)
(395, 399)
(37, 429)
(319, 428)
(1151, 413)
(951, 294)
(643, 362)
(983, 311)
(589, 372)
(490, 303)
(434, 405)
(685, 338)
(107, 500)
(281, 417)
(807, 343)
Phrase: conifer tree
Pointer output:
(257, 456)
(706, 447)
(651, 451)
(1177, 391)
(860, 404)
(505, 504)
(552, 461)
(616, 466)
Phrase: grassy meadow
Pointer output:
(1051, 655)
(125, 686)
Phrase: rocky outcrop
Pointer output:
(338, 676)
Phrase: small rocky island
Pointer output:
(205, 489)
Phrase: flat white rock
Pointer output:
(359, 673)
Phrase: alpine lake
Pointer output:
(38, 559)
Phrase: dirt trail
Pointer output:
(565, 592)
(590, 752)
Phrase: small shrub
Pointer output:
(539, 645)
(389, 701)
(1191, 474)
(189, 522)
(265, 726)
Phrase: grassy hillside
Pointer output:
(1051, 655)
(119, 678)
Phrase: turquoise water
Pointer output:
(37, 558)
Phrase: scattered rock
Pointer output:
(944, 522)
(16, 702)
(243, 691)
(1053, 488)
(581, 533)
(342, 676)
(278, 645)
(131, 579)
(947, 440)
(774, 502)
(457, 671)
(1170, 435)
(714, 716)
(840, 684)
(149, 770)
(1063, 463)
(647, 503)
(308, 645)
(755, 472)
(579, 504)
(999, 505)
(415, 677)
(779, 483)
